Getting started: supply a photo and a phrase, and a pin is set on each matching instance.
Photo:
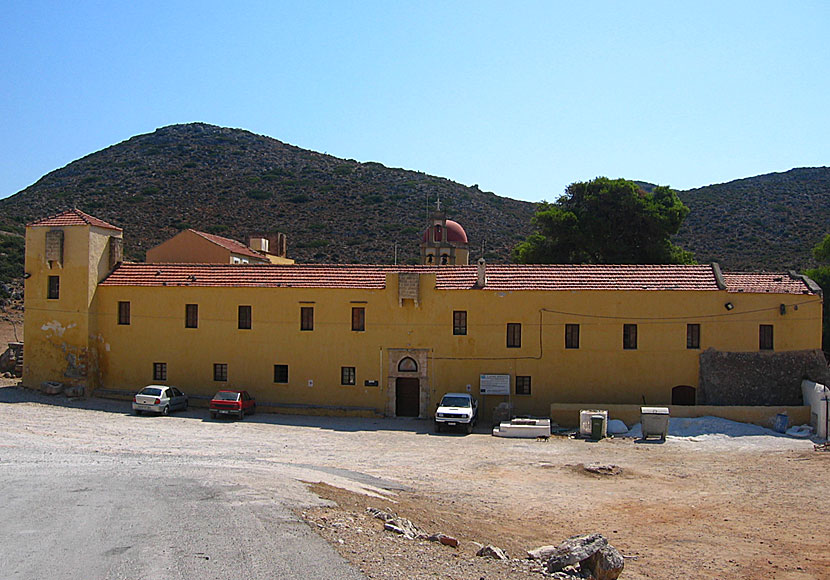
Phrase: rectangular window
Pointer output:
(459, 322)
(358, 318)
(191, 315)
(765, 337)
(159, 371)
(692, 336)
(522, 385)
(123, 313)
(245, 317)
(280, 373)
(629, 336)
(307, 318)
(571, 336)
(347, 376)
(514, 335)
(220, 372)
(53, 292)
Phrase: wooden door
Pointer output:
(407, 397)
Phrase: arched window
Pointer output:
(445, 259)
(437, 235)
(430, 257)
(408, 365)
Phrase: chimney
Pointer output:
(482, 273)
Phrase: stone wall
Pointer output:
(758, 378)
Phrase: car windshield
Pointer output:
(455, 401)
(152, 391)
(226, 396)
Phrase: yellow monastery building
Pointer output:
(391, 340)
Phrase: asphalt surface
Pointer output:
(71, 511)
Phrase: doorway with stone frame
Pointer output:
(408, 383)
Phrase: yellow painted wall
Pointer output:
(57, 330)
(279, 260)
(188, 247)
(600, 370)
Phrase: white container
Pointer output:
(585, 421)
(816, 395)
(654, 421)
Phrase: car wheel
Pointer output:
(166, 410)
(469, 427)
(241, 414)
(212, 415)
(137, 412)
(438, 427)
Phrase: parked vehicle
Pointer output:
(159, 399)
(456, 410)
(235, 403)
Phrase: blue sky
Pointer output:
(520, 98)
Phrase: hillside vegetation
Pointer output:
(233, 182)
(769, 222)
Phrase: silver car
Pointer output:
(159, 399)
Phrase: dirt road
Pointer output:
(741, 508)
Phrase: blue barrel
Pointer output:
(782, 421)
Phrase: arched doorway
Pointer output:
(683, 395)
(408, 392)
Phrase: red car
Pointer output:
(236, 403)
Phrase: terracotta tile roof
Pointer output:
(247, 276)
(232, 245)
(765, 283)
(73, 217)
(499, 277)
(581, 277)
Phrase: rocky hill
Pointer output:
(768, 222)
(232, 182)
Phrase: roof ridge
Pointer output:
(218, 240)
(84, 217)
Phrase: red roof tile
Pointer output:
(73, 217)
(580, 277)
(765, 283)
(232, 245)
(247, 276)
(499, 277)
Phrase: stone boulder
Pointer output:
(399, 525)
(492, 552)
(585, 554)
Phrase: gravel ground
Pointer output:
(726, 507)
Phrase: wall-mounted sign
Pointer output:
(494, 384)
(370, 383)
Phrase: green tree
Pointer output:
(821, 252)
(607, 221)
(821, 276)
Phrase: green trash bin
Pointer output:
(597, 427)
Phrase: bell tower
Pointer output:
(444, 242)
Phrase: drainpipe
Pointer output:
(481, 279)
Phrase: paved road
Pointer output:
(81, 513)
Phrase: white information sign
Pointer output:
(494, 384)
